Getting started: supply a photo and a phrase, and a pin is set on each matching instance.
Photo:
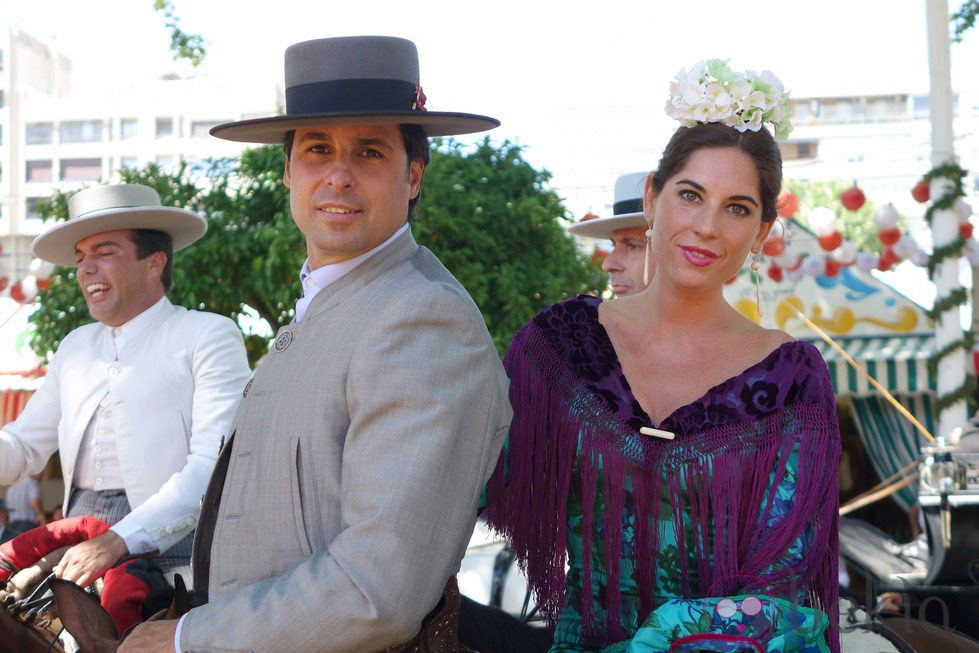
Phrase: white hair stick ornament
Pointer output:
(657, 433)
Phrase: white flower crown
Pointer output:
(712, 92)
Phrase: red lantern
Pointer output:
(965, 228)
(775, 273)
(774, 245)
(831, 241)
(589, 216)
(787, 204)
(832, 267)
(889, 257)
(598, 256)
(17, 293)
(853, 198)
(921, 192)
(888, 237)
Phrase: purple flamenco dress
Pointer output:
(725, 536)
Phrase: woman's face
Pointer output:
(707, 218)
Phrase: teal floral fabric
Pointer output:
(736, 623)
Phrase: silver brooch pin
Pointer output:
(283, 340)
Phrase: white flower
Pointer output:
(711, 92)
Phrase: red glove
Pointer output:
(29, 547)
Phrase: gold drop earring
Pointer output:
(755, 265)
(647, 263)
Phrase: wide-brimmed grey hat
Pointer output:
(110, 207)
(352, 80)
(626, 209)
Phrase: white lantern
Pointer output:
(866, 261)
(822, 221)
(845, 253)
(814, 265)
(905, 247)
(886, 217)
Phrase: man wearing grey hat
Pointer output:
(626, 229)
(137, 402)
(340, 510)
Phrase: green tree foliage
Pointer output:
(964, 19)
(487, 214)
(183, 45)
(857, 226)
(491, 220)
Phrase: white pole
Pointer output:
(948, 326)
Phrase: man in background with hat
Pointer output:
(137, 402)
(627, 231)
(339, 512)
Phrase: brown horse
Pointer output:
(77, 611)
(20, 635)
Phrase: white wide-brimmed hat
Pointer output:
(352, 80)
(110, 207)
(626, 209)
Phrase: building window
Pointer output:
(81, 169)
(164, 127)
(31, 205)
(202, 128)
(920, 106)
(127, 128)
(81, 131)
(794, 150)
(39, 171)
(39, 133)
(129, 163)
(164, 163)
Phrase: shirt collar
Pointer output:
(128, 331)
(327, 274)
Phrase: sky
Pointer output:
(579, 86)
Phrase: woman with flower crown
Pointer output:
(670, 479)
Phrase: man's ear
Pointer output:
(416, 170)
(158, 261)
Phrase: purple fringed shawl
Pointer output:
(575, 431)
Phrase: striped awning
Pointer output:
(12, 402)
(898, 363)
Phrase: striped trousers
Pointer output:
(111, 506)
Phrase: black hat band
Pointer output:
(352, 96)
(627, 206)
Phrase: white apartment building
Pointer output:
(882, 142)
(56, 137)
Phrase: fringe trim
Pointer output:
(720, 484)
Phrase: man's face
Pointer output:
(625, 262)
(117, 285)
(349, 188)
